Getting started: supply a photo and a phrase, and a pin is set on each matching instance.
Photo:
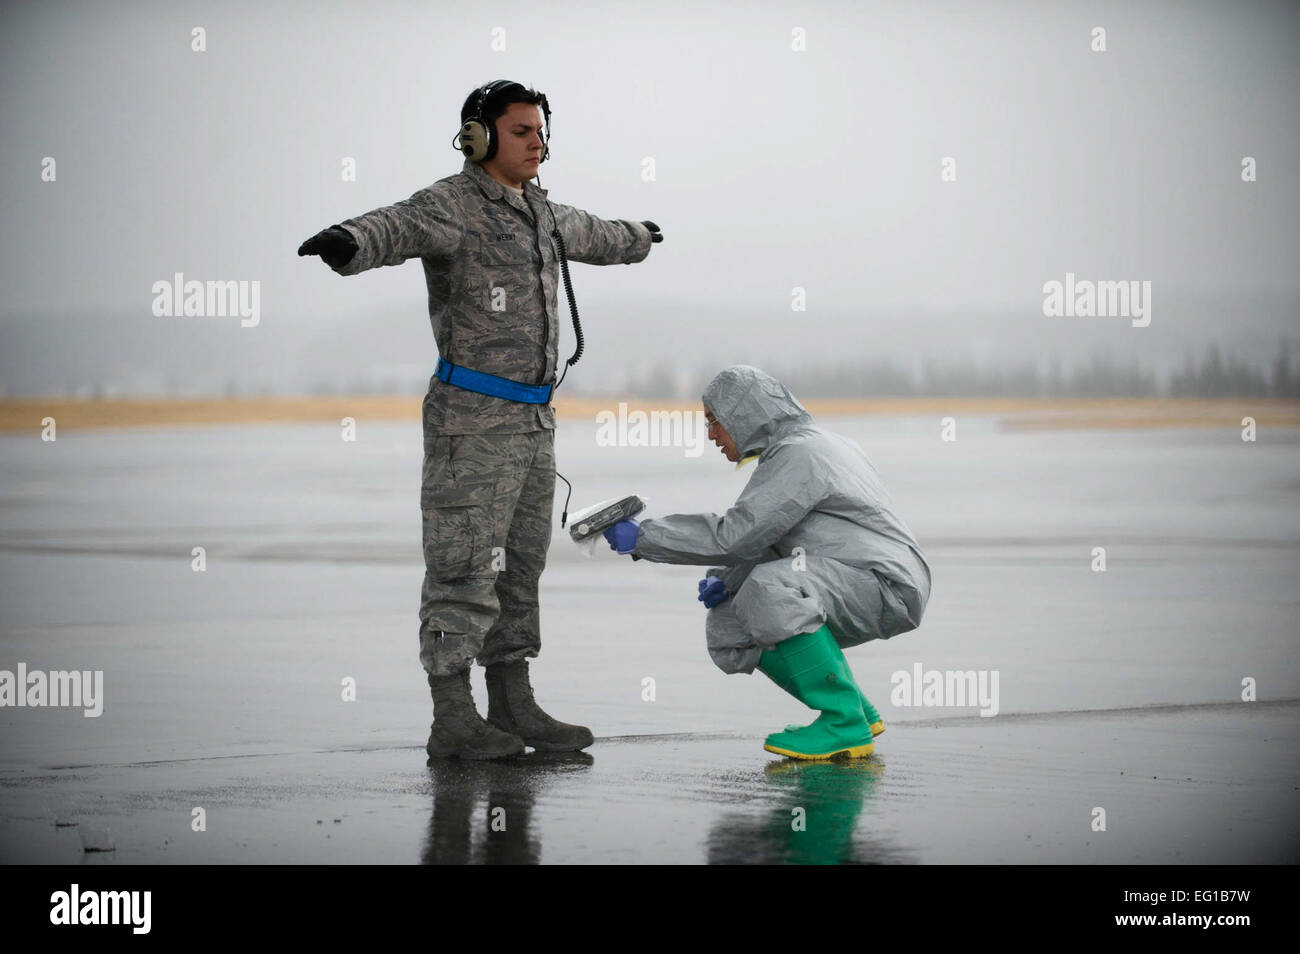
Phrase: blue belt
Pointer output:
(484, 383)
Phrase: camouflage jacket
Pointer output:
(492, 271)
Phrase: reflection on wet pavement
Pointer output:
(482, 810)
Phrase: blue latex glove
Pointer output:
(712, 592)
(622, 536)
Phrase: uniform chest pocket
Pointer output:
(505, 248)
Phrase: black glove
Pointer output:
(335, 245)
(655, 234)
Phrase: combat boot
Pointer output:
(458, 731)
(511, 707)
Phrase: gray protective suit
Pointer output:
(812, 539)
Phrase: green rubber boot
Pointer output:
(778, 670)
(868, 710)
(812, 668)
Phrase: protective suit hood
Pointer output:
(753, 407)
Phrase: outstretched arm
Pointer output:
(427, 225)
(596, 241)
(784, 488)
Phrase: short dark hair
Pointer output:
(499, 101)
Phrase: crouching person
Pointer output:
(813, 559)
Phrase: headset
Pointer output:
(478, 143)
(478, 137)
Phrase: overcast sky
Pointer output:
(774, 167)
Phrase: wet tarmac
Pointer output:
(1178, 785)
(1120, 691)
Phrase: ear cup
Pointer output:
(546, 139)
(476, 141)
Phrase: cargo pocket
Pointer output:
(458, 530)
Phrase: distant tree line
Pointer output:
(1101, 376)
(1213, 376)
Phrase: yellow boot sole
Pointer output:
(852, 752)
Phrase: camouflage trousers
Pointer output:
(487, 503)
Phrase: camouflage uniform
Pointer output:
(489, 463)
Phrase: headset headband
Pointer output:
(498, 86)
